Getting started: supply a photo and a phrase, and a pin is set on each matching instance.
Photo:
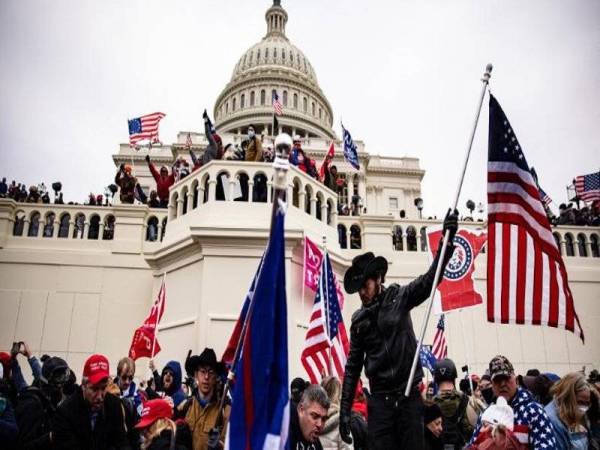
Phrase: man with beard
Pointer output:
(382, 340)
(37, 404)
(90, 419)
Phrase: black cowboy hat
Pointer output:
(208, 358)
(364, 266)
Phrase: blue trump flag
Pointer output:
(260, 402)
(350, 151)
(427, 359)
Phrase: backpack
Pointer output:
(452, 426)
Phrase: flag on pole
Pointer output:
(439, 349)
(313, 257)
(144, 127)
(277, 106)
(427, 359)
(188, 142)
(260, 401)
(526, 281)
(146, 335)
(588, 187)
(326, 345)
(275, 125)
(350, 151)
(456, 289)
(326, 161)
(546, 200)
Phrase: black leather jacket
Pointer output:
(382, 338)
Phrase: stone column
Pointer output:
(302, 200)
(200, 196)
(362, 191)
(190, 202)
(231, 188)
(324, 211)
(71, 228)
(313, 206)
(101, 231)
(250, 189)
(212, 190)
(269, 191)
(56, 228)
(350, 189)
(179, 207)
(334, 217)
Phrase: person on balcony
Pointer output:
(254, 152)
(126, 182)
(297, 156)
(164, 181)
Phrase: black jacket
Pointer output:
(72, 428)
(382, 338)
(297, 441)
(34, 413)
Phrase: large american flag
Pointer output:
(439, 349)
(326, 348)
(526, 279)
(277, 106)
(144, 127)
(588, 187)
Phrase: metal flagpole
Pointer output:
(485, 80)
(303, 275)
(162, 286)
(326, 303)
(462, 326)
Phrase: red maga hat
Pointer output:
(96, 368)
(154, 410)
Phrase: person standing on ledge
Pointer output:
(383, 340)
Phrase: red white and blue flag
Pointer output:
(439, 349)
(277, 106)
(527, 280)
(144, 128)
(588, 187)
(260, 411)
(326, 345)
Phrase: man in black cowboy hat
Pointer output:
(383, 340)
(203, 413)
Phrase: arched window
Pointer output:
(581, 245)
(397, 238)
(275, 53)
(263, 97)
(19, 224)
(227, 108)
(233, 104)
(63, 229)
(411, 239)
(79, 225)
(258, 55)
(205, 198)
(569, 244)
(283, 54)
(243, 101)
(251, 56)
(423, 239)
(304, 104)
(94, 230)
(557, 240)
(267, 53)
(109, 228)
(320, 113)
(296, 193)
(291, 56)
(252, 98)
(152, 229)
(355, 237)
(295, 101)
(307, 197)
(594, 245)
(260, 188)
(49, 225)
(313, 109)
(284, 98)
(342, 236)
(34, 225)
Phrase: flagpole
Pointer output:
(462, 326)
(303, 274)
(162, 285)
(326, 303)
(485, 80)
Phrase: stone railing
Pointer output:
(250, 182)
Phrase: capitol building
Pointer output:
(77, 280)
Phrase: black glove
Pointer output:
(205, 115)
(147, 158)
(451, 224)
(122, 167)
(213, 439)
(345, 433)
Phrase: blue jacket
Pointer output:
(175, 391)
(565, 440)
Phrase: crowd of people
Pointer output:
(168, 410)
(573, 215)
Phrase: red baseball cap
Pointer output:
(96, 368)
(154, 410)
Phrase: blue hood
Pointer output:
(174, 367)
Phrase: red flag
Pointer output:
(145, 336)
(326, 162)
(312, 267)
(456, 290)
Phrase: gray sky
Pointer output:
(403, 74)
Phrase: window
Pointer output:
(263, 96)
(252, 98)
(233, 105)
(251, 56)
(275, 53)
(284, 98)
(320, 113)
(266, 53)
(313, 109)
(295, 101)
(393, 203)
(305, 104)
(227, 108)
(258, 55)
(283, 54)
(291, 56)
(242, 101)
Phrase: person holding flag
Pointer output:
(382, 340)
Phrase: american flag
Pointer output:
(326, 347)
(526, 279)
(277, 106)
(144, 127)
(439, 349)
(546, 200)
(588, 187)
(188, 142)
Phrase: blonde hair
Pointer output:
(333, 388)
(126, 364)
(156, 428)
(565, 396)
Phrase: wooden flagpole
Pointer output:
(485, 80)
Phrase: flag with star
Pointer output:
(144, 128)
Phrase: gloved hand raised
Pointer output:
(451, 224)
(147, 158)
(345, 432)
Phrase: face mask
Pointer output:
(488, 395)
(583, 409)
(250, 134)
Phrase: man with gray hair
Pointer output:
(306, 422)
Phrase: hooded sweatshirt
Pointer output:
(175, 391)
(330, 435)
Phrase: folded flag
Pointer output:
(144, 127)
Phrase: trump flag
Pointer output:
(456, 289)
(144, 343)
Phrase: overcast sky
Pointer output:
(403, 74)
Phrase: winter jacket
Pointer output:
(162, 183)
(17, 374)
(34, 413)
(8, 424)
(383, 340)
(532, 426)
(565, 439)
(431, 442)
(254, 152)
(330, 436)
(126, 184)
(214, 150)
(72, 425)
(175, 391)
(201, 420)
(454, 406)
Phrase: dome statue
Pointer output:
(274, 65)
